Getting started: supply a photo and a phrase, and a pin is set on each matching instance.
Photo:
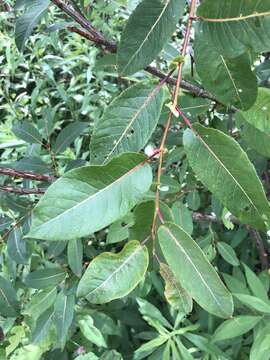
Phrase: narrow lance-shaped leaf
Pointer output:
(8, 299)
(236, 326)
(44, 278)
(112, 276)
(224, 168)
(43, 325)
(90, 198)
(17, 248)
(68, 135)
(235, 27)
(26, 22)
(146, 33)
(127, 123)
(75, 256)
(26, 131)
(175, 294)
(191, 267)
(228, 253)
(63, 315)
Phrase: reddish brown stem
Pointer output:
(22, 191)
(25, 175)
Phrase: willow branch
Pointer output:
(22, 191)
(26, 175)
(98, 39)
(260, 247)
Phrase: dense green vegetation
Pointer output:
(134, 180)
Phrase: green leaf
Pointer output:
(8, 299)
(17, 248)
(254, 303)
(146, 349)
(112, 276)
(231, 81)
(261, 346)
(175, 294)
(26, 22)
(254, 138)
(85, 193)
(148, 29)
(67, 135)
(111, 355)
(255, 284)
(228, 253)
(44, 278)
(192, 269)
(91, 333)
(43, 326)
(236, 326)
(75, 256)
(63, 316)
(28, 352)
(235, 27)
(193, 200)
(40, 302)
(224, 168)
(259, 115)
(152, 315)
(27, 132)
(127, 123)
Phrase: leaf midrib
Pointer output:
(195, 268)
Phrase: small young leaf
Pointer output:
(236, 326)
(63, 315)
(75, 256)
(44, 278)
(17, 247)
(85, 193)
(182, 217)
(255, 284)
(26, 131)
(146, 33)
(8, 299)
(191, 267)
(43, 325)
(228, 253)
(112, 276)
(68, 135)
(91, 333)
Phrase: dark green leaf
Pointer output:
(236, 326)
(191, 267)
(68, 135)
(75, 256)
(44, 278)
(8, 299)
(63, 315)
(127, 123)
(225, 169)
(17, 247)
(43, 325)
(147, 31)
(27, 132)
(26, 22)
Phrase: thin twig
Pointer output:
(96, 37)
(167, 126)
(26, 175)
(260, 247)
(22, 191)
